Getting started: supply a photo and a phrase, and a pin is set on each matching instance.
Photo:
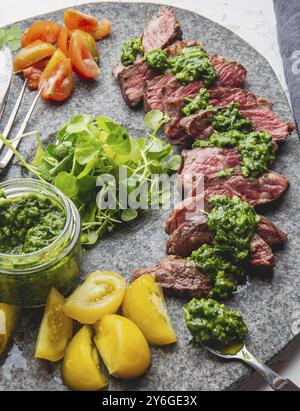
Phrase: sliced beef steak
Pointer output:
(161, 30)
(206, 162)
(261, 257)
(155, 91)
(189, 214)
(271, 234)
(178, 276)
(257, 110)
(189, 236)
(132, 80)
(230, 73)
(256, 191)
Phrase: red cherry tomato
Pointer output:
(43, 30)
(74, 19)
(103, 29)
(63, 40)
(82, 60)
(57, 79)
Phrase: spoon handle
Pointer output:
(277, 382)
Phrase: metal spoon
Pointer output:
(241, 353)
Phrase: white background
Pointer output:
(254, 21)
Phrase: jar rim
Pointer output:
(69, 208)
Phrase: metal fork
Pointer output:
(277, 382)
(7, 74)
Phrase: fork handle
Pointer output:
(277, 382)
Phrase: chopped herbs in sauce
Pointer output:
(193, 64)
(230, 118)
(211, 323)
(201, 102)
(233, 223)
(29, 224)
(256, 149)
(157, 59)
(130, 49)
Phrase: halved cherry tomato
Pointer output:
(57, 78)
(63, 40)
(74, 19)
(43, 30)
(31, 54)
(82, 60)
(33, 74)
(103, 29)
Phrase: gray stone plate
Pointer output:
(270, 306)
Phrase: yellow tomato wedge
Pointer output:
(101, 293)
(122, 346)
(144, 304)
(80, 369)
(8, 319)
(55, 330)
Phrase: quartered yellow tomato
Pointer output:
(55, 330)
(8, 319)
(80, 369)
(101, 293)
(122, 346)
(144, 304)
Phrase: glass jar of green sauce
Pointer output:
(26, 278)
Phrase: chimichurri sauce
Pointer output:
(130, 49)
(233, 223)
(211, 323)
(29, 224)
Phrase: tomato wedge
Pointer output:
(57, 79)
(63, 40)
(82, 60)
(43, 30)
(103, 29)
(55, 331)
(33, 74)
(74, 19)
(101, 293)
(31, 54)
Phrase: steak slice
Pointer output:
(132, 80)
(188, 214)
(204, 163)
(256, 191)
(178, 276)
(161, 30)
(191, 235)
(257, 109)
(230, 73)
(261, 256)
(267, 120)
(155, 91)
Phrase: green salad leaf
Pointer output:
(93, 161)
(11, 37)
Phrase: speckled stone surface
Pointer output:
(269, 305)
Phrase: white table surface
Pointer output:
(254, 21)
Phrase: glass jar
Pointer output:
(26, 279)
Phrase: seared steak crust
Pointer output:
(178, 276)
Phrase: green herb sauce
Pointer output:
(230, 118)
(233, 223)
(157, 59)
(201, 102)
(130, 49)
(256, 149)
(29, 223)
(193, 64)
(213, 324)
